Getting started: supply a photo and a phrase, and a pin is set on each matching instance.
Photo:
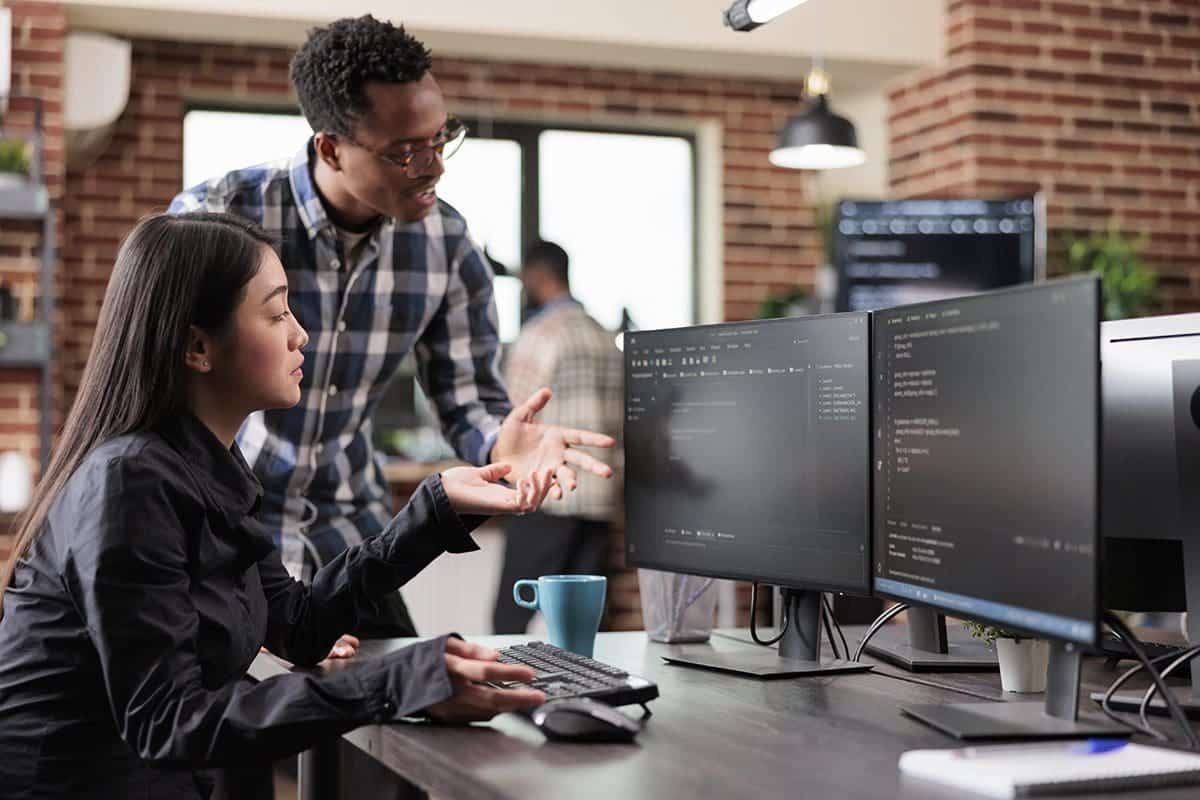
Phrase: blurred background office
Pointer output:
(636, 135)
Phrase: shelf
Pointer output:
(24, 202)
(24, 344)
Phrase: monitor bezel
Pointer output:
(864, 590)
(1038, 275)
(1097, 599)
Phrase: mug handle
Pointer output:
(523, 603)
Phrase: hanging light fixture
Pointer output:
(817, 138)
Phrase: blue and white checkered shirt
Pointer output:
(423, 286)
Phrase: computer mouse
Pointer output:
(582, 719)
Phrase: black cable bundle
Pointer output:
(1159, 687)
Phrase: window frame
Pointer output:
(527, 134)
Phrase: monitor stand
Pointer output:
(1187, 696)
(926, 647)
(1056, 718)
(798, 654)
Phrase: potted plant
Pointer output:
(14, 162)
(792, 303)
(1127, 283)
(1023, 660)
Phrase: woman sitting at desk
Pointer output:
(140, 586)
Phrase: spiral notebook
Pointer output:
(1054, 768)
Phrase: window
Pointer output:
(621, 203)
(622, 207)
(483, 181)
(216, 142)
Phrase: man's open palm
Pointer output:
(536, 449)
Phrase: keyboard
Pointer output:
(560, 673)
(1113, 648)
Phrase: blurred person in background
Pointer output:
(560, 345)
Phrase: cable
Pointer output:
(1106, 702)
(753, 613)
(1181, 659)
(935, 684)
(837, 626)
(875, 626)
(827, 617)
(1118, 626)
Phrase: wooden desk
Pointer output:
(711, 735)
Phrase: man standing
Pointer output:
(563, 346)
(378, 267)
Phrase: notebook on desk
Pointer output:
(1056, 768)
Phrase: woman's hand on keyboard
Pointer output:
(470, 666)
(474, 490)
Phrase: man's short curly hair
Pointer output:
(332, 68)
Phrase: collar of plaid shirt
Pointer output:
(423, 288)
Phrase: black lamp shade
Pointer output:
(817, 138)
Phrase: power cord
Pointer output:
(935, 684)
(754, 612)
(1183, 657)
(1119, 627)
(1115, 686)
(829, 623)
(879, 622)
(874, 627)
(827, 617)
(838, 626)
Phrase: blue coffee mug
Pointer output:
(572, 606)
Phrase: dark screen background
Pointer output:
(911, 251)
(747, 451)
(986, 415)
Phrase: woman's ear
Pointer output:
(326, 148)
(199, 350)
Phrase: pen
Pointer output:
(1089, 747)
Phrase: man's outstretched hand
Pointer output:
(536, 449)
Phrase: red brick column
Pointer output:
(1094, 102)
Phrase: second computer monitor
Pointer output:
(986, 491)
(987, 457)
(747, 451)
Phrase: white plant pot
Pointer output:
(12, 180)
(1023, 664)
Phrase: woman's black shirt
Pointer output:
(129, 625)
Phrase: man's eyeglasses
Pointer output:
(416, 161)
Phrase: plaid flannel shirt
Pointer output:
(564, 348)
(423, 286)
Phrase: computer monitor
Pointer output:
(986, 490)
(1150, 498)
(747, 456)
(894, 252)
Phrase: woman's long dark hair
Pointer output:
(172, 272)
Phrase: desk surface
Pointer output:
(712, 735)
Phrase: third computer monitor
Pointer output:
(1150, 507)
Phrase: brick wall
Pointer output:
(1094, 102)
(37, 70)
